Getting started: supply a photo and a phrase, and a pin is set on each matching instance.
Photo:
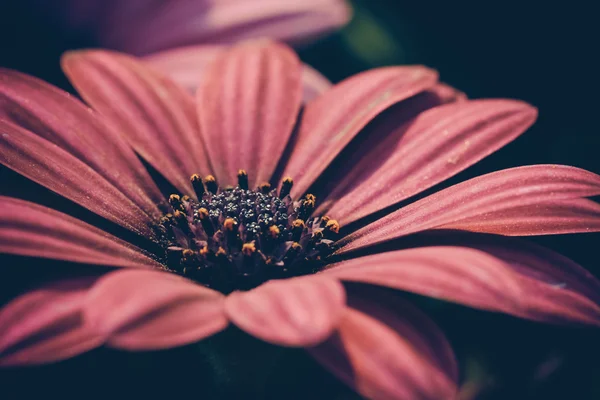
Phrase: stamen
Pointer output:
(243, 179)
(182, 222)
(197, 185)
(265, 187)
(307, 207)
(273, 231)
(236, 238)
(297, 229)
(204, 220)
(229, 224)
(333, 226)
(286, 187)
(248, 249)
(175, 202)
(211, 184)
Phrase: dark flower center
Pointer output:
(237, 238)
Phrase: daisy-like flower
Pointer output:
(277, 207)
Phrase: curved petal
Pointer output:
(186, 66)
(376, 131)
(144, 310)
(291, 312)
(545, 218)
(29, 229)
(248, 104)
(144, 27)
(386, 349)
(488, 195)
(66, 122)
(474, 278)
(427, 150)
(46, 325)
(156, 116)
(333, 119)
(45, 163)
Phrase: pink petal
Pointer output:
(46, 325)
(490, 195)
(47, 164)
(384, 125)
(154, 114)
(291, 312)
(144, 27)
(474, 278)
(247, 107)
(538, 263)
(143, 310)
(29, 229)
(315, 84)
(186, 66)
(427, 150)
(386, 349)
(64, 121)
(545, 218)
(332, 120)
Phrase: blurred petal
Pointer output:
(474, 278)
(247, 107)
(332, 120)
(29, 229)
(291, 312)
(315, 84)
(488, 195)
(386, 349)
(47, 164)
(186, 66)
(66, 122)
(427, 150)
(145, 310)
(46, 325)
(156, 116)
(141, 27)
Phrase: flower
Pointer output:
(226, 230)
(179, 37)
(141, 26)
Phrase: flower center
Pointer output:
(237, 238)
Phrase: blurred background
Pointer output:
(540, 52)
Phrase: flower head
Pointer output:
(275, 206)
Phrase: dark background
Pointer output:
(540, 52)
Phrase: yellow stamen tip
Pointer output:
(298, 223)
(248, 248)
(229, 224)
(202, 213)
(274, 231)
(333, 226)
